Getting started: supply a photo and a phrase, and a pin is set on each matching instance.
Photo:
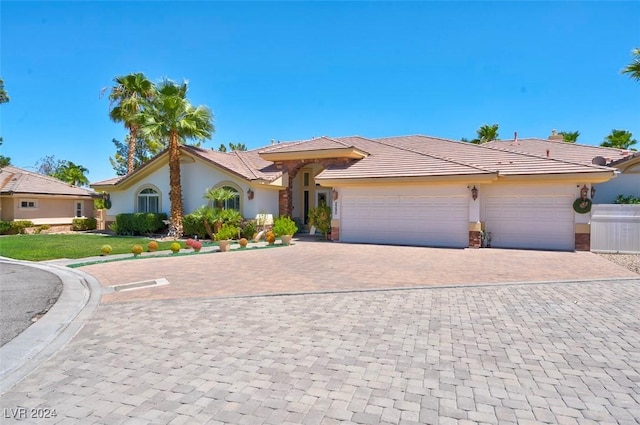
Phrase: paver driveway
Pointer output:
(537, 353)
(315, 266)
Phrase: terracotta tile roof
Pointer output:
(14, 180)
(108, 182)
(318, 143)
(573, 152)
(246, 164)
(417, 155)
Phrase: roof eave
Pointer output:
(350, 153)
(587, 177)
(384, 181)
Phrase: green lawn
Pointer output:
(50, 247)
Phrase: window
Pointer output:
(228, 204)
(79, 209)
(28, 203)
(148, 201)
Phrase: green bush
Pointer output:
(621, 199)
(193, 225)
(320, 217)
(84, 224)
(5, 228)
(249, 229)
(19, 226)
(284, 226)
(138, 223)
(226, 232)
(42, 227)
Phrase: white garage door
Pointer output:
(538, 222)
(406, 220)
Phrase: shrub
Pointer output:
(196, 245)
(621, 199)
(271, 237)
(320, 217)
(78, 224)
(106, 249)
(243, 242)
(138, 223)
(5, 227)
(284, 226)
(226, 232)
(19, 226)
(249, 229)
(42, 227)
(152, 246)
(137, 250)
(175, 247)
(193, 225)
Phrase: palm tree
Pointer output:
(620, 139)
(172, 118)
(128, 97)
(633, 69)
(72, 173)
(486, 133)
(570, 136)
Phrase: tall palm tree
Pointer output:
(172, 118)
(128, 96)
(633, 69)
(570, 136)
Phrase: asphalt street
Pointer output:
(26, 293)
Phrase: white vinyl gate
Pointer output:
(615, 228)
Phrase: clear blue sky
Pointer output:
(288, 71)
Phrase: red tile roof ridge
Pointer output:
(244, 162)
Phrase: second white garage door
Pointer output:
(535, 221)
(405, 220)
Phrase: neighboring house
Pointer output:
(25, 195)
(412, 190)
(627, 162)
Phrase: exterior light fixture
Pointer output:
(250, 194)
(593, 191)
(334, 195)
(583, 192)
(474, 192)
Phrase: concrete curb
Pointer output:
(79, 298)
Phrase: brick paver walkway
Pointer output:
(508, 354)
(316, 266)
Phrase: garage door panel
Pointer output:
(539, 222)
(405, 220)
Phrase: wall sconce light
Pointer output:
(593, 191)
(250, 194)
(334, 195)
(474, 192)
(583, 192)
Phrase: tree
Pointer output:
(128, 97)
(63, 170)
(4, 161)
(73, 174)
(232, 146)
(4, 97)
(48, 165)
(485, 133)
(633, 69)
(621, 139)
(570, 136)
(171, 117)
(145, 149)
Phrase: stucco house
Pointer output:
(627, 162)
(25, 195)
(413, 190)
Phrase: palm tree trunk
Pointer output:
(175, 193)
(133, 134)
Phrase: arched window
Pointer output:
(148, 201)
(229, 204)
